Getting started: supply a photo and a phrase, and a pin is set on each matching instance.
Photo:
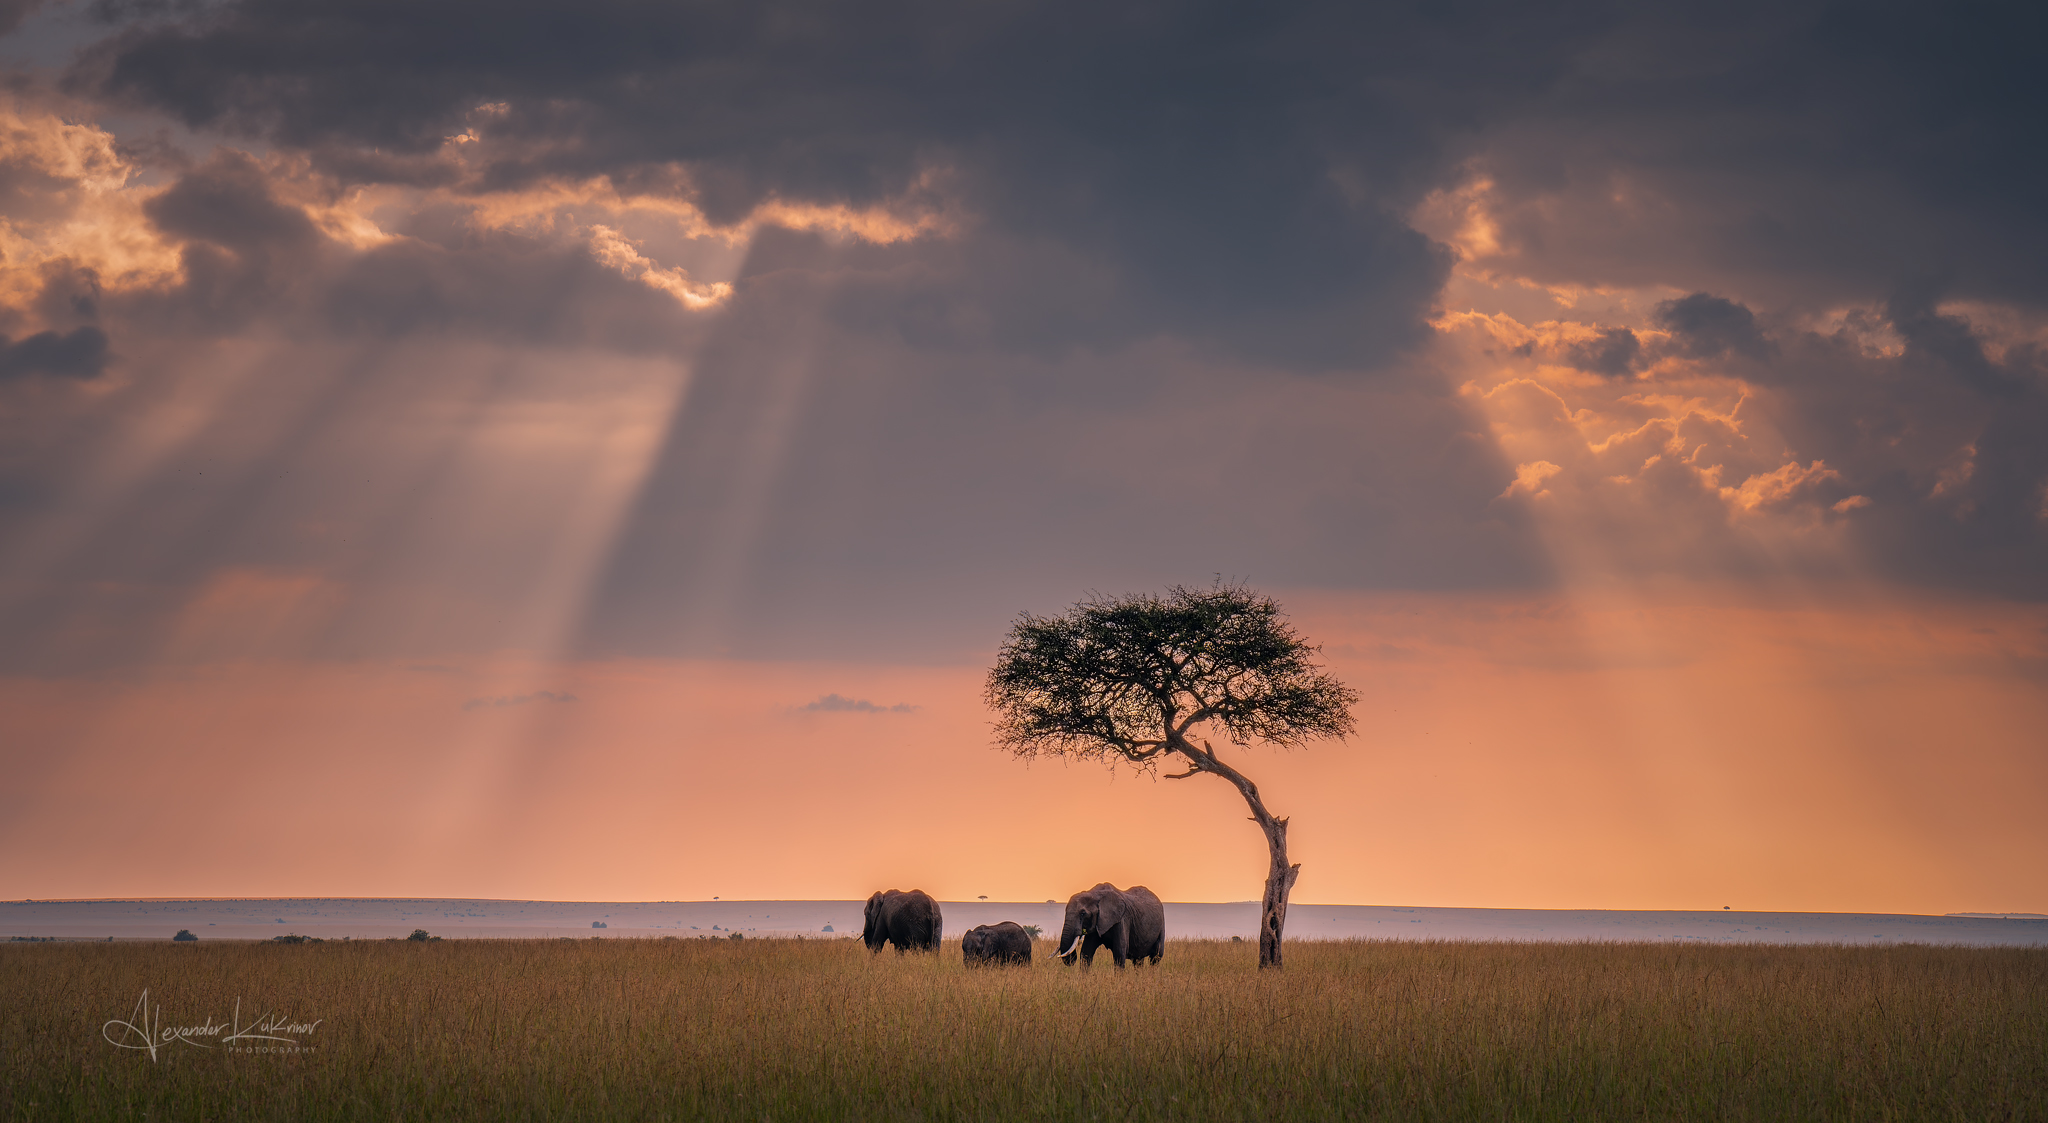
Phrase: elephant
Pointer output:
(911, 921)
(1131, 923)
(996, 944)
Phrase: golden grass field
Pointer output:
(818, 1029)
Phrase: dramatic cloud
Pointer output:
(978, 308)
(1708, 327)
(1230, 176)
(1811, 450)
(723, 335)
(78, 353)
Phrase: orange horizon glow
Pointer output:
(1513, 752)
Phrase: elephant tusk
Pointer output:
(1071, 949)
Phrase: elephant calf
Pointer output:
(997, 945)
(911, 921)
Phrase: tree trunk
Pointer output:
(1279, 883)
(1280, 875)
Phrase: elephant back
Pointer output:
(1148, 922)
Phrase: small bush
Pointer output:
(184, 934)
(420, 934)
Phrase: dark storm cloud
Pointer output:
(1156, 215)
(500, 286)
(70, 294)
(1613, 353)
(12, 12)
(247, 253)
(1947, 441)
(1940, 440)
(1229, 173)
(1798, 154)
(228, 202)
(78, 353)
(1704, 326)
(243, 248)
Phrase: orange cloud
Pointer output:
(76, 200)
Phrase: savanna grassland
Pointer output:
(817, 1029)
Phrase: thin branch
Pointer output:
(1203, 714)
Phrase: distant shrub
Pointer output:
(420, 934)
(295, 938)
(736, 936)
(599, 924)
(184, 934)
(1034, 929)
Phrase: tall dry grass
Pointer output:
(643, 1030)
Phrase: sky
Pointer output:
(594, 451)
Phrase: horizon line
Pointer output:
(1984, 915)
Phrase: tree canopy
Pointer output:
(1130, 677)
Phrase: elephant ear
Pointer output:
(1108, 906)
(1115, 909)
(873, 915)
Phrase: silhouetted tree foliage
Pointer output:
(1134, 678)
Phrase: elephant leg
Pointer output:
(1088, 946)
(1120, 945)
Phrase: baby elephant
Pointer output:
(997, 944)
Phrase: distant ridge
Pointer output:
(469, 918)
(2001, 915)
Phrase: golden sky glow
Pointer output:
(1700, 750)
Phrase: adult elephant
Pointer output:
(997, 945)
(1131, 923)
(910, 920)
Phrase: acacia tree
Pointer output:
(1136, 679)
